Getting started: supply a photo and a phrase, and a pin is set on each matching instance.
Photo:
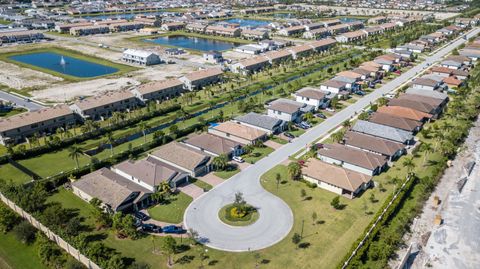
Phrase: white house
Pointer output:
(141, 57)
(313, 96)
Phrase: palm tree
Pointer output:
(294, 170)
(74, 152)
(427, 148)
(143, 126)
(308, 116)
(109, 140)
(220, 162)
(347, 124)
(338, 136)
(409, 164)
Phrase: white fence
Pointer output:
(51, 235)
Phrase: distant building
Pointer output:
(159, 90)
(102, 106)
(141, 57)
(201, 78)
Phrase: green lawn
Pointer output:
(172, 212)
(122, 69)
(13, 112)
(202, 184)
(16, 255)
(69, 200)
(279, 140)
(257, 154)
(228, 172)
(297, 132)
(52, 163)
(9, 172)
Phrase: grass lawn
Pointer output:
(257, 154)
(279, 140)
(52, 163)
(122, 69)
(171, 212)
(16, 255)
(297, 132)
(9, 172)
(225, 214)
(202, 184)
(69, 200)
(12, 112)
(228, 172)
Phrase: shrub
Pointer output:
(24, 232)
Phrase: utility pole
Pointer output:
(303, 224)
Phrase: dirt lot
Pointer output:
(454, 243)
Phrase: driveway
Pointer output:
(191, 190)
(211, 179)
(275, 217)
(272, 144)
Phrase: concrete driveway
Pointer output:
(275, 217)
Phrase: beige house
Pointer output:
(201, 78)
(238, 132)
(16, 128)
(223, 31)
(159, 90)
(336, 179)
(102, 106)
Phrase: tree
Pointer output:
(124, 225)
(278, 178)
(102, 218)
(308, 116)
(303, 193)
(382, 101)
(337, 137)
(363, 116)
(220, 162)
(74, 152)
(335, 203)
(314, 217)
(248, 149)
(109, 140)
(24, 232)
(427, 148)
(347, 124)
(162, 192)
(8, 219)
(372, 198)
(296, 238)
(143, 126)
(169, 246)
(294, 170)
(173, 131)
(409, 164)
(334, 102)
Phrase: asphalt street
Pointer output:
(19, 101)
(276, 218)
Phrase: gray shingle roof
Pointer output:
(382, 131)
(259, 120)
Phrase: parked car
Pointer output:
(238, 159)
(301, 126)
(329, 109)
(361, 93)
(320, 115)
(141, 216)
(137, 223)
(151, 228)
(390, 96)
(306, 124)
(398, 72)
(172, 229)
(289, 135)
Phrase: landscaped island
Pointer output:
(239, 213)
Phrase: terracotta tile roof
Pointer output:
(452, 81)
(29, 118)
(349, 74)
(371, 143)
(161, 85)
(356, 157)
(322, 42)
(278, 54)
(334, 175)
(148, 171)
(397, 122)
(246, 132)
(181, 155)
(404, 112)
(254, 61)
(301, 48)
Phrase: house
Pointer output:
(317, 33)
(338, 28)
(386, 64)
(250, 65)
(331, 23)
(322, 44)
(238, 132)
(377, 20)
(141, 57)
(336, 179)
(313, 26)
(446, 72)
(16, 128)
(383, 131)
(213, 57)
(351, 36)
(196, 27)
(159, 90)
(278, 56)
(362, 73)
(404, 53)
(89, 30)
(423, 83)
(253, 49)
(301, 51)
(270, 125)
(313, 97)
(292, 30)
(150, 173)
(187, 159)
(223, 31)
(451, 64)
(355, 25)
(201, 78)
(65, 28)
(452, 82)
(461, 59)
(470, 53)
(350, 74)
(405, 112)
(350, 82)
(389, 26)
(390, 149)
(432, 94)
(415, 48)
(373, 30)
(353, 159)
(117, 193)
(287, 110)
(20, 36)
(172, 26)
(125, 26)
(333, 86)
(214, 145)
(254, 34)
(409, 125)
(421, 103)
(102, 106)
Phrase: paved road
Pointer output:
(276, 218)
(19, 101)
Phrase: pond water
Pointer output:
(194, 43)
(127, 16)
(248, 22)
(348, 19)
(284, 15)
(68, 66)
